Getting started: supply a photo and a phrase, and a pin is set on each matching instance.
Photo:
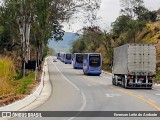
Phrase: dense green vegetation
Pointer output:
(24, 83)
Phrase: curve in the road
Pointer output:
(83, 95)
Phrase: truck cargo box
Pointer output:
(135, 59)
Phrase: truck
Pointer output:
(134, 65)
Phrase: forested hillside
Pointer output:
(136, 24)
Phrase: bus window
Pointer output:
(79, 58)
(94, 60)
(68, 56)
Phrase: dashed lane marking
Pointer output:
(112, 95)
(151, 103)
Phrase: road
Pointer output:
(74, 91)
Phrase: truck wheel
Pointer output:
(116, 80)
(113, 81)
(123, 82)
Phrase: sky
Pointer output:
(109, 11)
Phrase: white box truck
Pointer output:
(134, 65)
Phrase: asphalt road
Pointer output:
(74, 91)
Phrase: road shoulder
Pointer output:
(36, 98)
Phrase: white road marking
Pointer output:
(108, 95)
(106, 77)
(67, 78)
(83, 95)
(158, 94)
(112, 95)
(115, 94)
(84, 102)
(92, 84)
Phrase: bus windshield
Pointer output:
(94, 60)
(58, 54)
(68, 56)
(79, 58)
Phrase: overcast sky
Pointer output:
(109, 11)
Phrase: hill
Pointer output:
(65, 44)
(151, 35)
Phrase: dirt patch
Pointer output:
(5, 100)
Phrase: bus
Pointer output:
(78, 60)
(58, 55)
(67, 58)
(62, 56)
(92, 63)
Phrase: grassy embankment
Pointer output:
(12, 86)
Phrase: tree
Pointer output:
(40, 18)
(136, 10)
(134, 27)
(129, 7)
(132, 20)
(143, 14)
(120, 25)
(92, 37)
(78, 46)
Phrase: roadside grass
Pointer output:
(10, 82)
(7, 72)
(23, 84)
(158, 77)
